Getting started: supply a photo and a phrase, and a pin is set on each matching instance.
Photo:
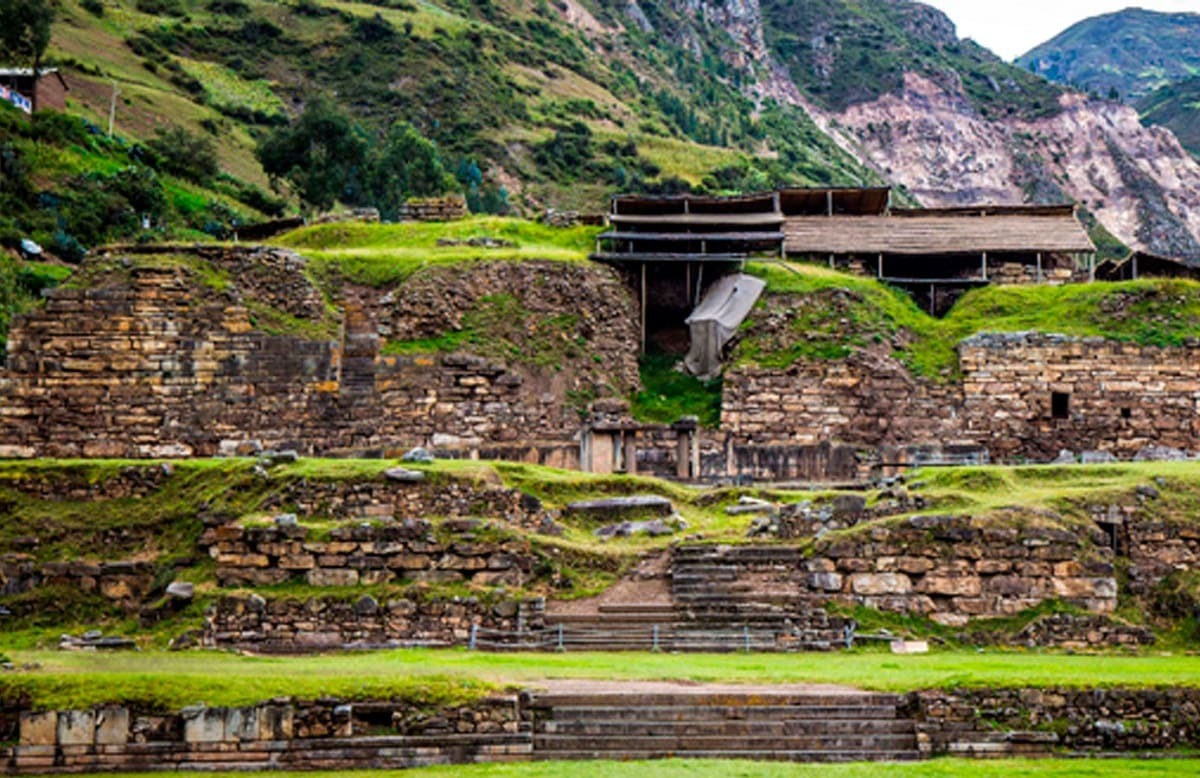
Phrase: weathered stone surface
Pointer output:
(880, 583)
(76, 728)
(112, 726)
(38, 729)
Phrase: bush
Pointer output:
(229, 7)
(59, 129)
(185, 154)
(94, 7)
(161, 7)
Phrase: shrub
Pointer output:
(161, 7)
(94, 7)
(185, 154)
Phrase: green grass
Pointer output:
(170, 679)
(696, 768)
(386, 254)
(832, 313)
(668, 394)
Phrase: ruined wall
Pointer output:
(317, 624)
(332, 733)
(172, 357)
(1120, 398)
(370, 554)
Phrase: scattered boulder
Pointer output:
(751, 505)
(94, 640)
(1065, 457)
(654, 528)
(548, 526)
(366, 606)
(1097, 458)
(417, 454)
(1147, 491)
(181, 590)
(287, 520)
(403, 475)
(849, 506)
(1159, 454)
(616, 507)
(280, 457)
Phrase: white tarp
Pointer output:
(717, 318)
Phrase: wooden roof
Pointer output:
(849, 201)
(938, 232)
(700, 219)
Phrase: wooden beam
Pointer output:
(643, 307)
(985, 273)
(829, 202)
(1039, 267)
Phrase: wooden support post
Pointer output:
(1091, 267)
(1039, 267)
(932, 299)
(985, 272)
(699, 283)
(880, 267)
(631, 453)
(829, 202)
(831, 262)
(688, 286)
(683, 456)
(643, 328)
(694, 444)
(775, 199)
(1135, 267)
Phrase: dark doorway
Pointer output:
(1060, 405)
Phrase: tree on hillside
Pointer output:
(25, 34)
(321, 154)
(406, 164)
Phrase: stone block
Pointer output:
(951, 586)
(112, 726)
(275, 722)
(332, 577)
(241, 724)
(880, 583)
(76, 728)
(204, 725)
(38, 729)
(828, 582)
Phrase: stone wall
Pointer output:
(317, 624)
(1112, 397)
(1009, 722)
(371, 554)
(126, 583)
(332, 734)
(167, 358)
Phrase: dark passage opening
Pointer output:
(1126, 413)
(1060, 405)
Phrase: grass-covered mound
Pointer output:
(386, 254)
(812, 313)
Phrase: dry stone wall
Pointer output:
(163, 358)
(330, 733)
(1021, 397)
(370, 554)
(325, 623)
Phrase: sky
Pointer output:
(1012, 27)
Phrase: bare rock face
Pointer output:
(1139, 181)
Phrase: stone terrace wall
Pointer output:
(162, 362)
(292, 626)
(1121, 398)
(370, 555)
(332, 734)
(1009, 722)
(126, 583)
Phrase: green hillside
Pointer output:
(1127, 54)
(1176, 106)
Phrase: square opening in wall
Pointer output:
(1060, 405)
(1127, 413)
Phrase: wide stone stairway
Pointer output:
(722, 598)
(646, 721)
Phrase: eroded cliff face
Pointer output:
(928, 136)
(1139, 181)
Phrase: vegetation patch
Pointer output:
(669, 394)
(812, 313)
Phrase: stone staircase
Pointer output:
(753, 589)
(763, 725)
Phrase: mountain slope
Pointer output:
(1131, 52)
(1176, 106)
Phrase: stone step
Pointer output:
(605, 619)
(684, 744)
(773, 755)
(638, 608)
(722, 703)
(715, 714)
(766, 727)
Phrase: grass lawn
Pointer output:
(175, 679)
(679, 768)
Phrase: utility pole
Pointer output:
(112, 107)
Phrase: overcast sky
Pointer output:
(1012, 27)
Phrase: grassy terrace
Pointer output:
(170, 680)
(831, 313)
(681, 768)
(383, 254)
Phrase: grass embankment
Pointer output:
(383, 254)
(834, 313)
(696, 768)
(170, 680)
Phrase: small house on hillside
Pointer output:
(17, 86)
